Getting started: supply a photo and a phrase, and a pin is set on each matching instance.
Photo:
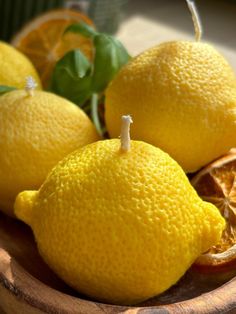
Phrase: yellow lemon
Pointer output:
(119, 226)
(14, 67)
(182, 96)
(35, 133)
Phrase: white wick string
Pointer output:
(196, 19)
(125, 133)
(30, 85)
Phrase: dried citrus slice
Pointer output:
(216, 183)
(42, 40)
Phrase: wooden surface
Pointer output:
(28, 286)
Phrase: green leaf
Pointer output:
(72, 77)
(122, 54)
(77, 80)
(5, 89)
(110, 56)
(95, 114)
(81, 28)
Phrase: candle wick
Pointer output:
(30, 85)
(196, 19)
(125, 133)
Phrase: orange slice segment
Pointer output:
(216, 183)
(42, 40)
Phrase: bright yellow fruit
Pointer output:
(15, 67)
(120, 227)
(182, 96)
(35, 133)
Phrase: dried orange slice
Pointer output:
(42, 40)
(216, 183)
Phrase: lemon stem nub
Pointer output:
(125, 133)
(23, 206)
(196, 20)
(30, 85)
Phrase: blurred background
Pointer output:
(137, 23)
(150, 22)
(106, 14)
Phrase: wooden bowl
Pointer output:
(28, 286)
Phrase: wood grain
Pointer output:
(28, 286)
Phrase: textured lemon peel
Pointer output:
(109, 228)
(126, 120)
(36, 132)
(15, 66)
(196, 19)
(30, 85)
(162, 116)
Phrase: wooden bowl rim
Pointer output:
(9, 264)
